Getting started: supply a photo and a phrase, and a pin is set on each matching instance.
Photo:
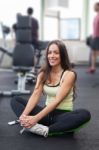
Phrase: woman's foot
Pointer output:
(38, 129)
(91, 70)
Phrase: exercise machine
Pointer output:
(23, 56)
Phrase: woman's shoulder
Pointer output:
(69, 74)
(66, 72)
(40, 75)
(40, 79)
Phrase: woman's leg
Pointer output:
(18, 105)
(69, 121)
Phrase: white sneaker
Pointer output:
(38, 129)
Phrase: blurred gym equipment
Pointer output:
(23, 55)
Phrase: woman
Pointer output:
(57, 81)
(95, 40)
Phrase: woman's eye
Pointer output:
(49, 52)
(55, 52)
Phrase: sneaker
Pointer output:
(90, 70)
(38, 129)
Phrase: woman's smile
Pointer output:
(54, 55)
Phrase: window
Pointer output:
(70, 29)
(50, 28)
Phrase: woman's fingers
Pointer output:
(27, 121)
(27, 125)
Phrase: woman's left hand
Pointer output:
(28, 121)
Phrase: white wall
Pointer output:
(9, 9)
(74, 9)
(78, 51)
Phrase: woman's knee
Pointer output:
(17, 99)
(18, 104)
(84, 114)
(13, 101)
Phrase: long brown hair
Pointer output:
(65, 62)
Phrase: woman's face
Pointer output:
(96, 7)
(54, 55)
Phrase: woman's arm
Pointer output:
(67, 83)
(35, 97)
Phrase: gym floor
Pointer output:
(86, 139)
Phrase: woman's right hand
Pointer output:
(28, 121)
(22, 118)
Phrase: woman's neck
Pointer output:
(56, 69)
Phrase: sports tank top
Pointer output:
(51, 91)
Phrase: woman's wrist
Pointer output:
(37, 117)
(24, 113)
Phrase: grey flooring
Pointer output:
(86, 139)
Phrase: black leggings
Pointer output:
(59, 121)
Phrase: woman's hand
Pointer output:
(28, 121)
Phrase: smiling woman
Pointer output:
(54, 55)
(57, 81)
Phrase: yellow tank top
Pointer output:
(67, 102)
